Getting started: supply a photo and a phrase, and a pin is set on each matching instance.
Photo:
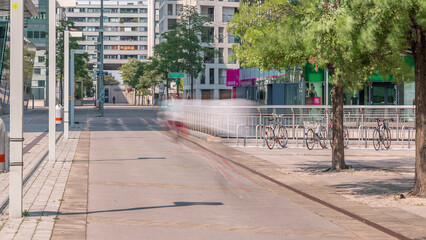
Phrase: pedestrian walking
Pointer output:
(113, 100)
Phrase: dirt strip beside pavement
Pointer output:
(69, 226)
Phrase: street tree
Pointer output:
(395, 35)
(279, 34)
(110, 80)
(131, 72)
(185, 46)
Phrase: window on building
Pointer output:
(91, 47)
(203, 78)
(169, 9)
(110, 56)
(91, 29)
(129, 10)
(37, 71)
(41, 59)
(143, 29)
(143, 38)
(93, 10)
(128, 56)
(110, 10)
(36, 34)
(220, 55)
(128, 47)
(143, 10)
(143, 20)
(92, 38)
(230, 55)
(220, 36)
(143, 47)
(92, 19)
(143, 57)
(110, 47)
(211, 75)
(30, 34)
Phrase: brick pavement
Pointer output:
(43, 193)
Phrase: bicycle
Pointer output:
(382, 135)
(275, 132)
(316, 133)
(345, 136)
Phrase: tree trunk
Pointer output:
(134, 102)
(420, 98)
(338, 149)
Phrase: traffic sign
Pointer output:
(102, 73)
(176, 75)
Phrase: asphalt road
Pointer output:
(145, 184)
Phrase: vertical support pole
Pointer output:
(72, 88)
(16, 112)
(101, 56)
(66, 83)
(52, 79)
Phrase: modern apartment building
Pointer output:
(130, 29)
(212, 82)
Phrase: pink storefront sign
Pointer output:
(232, 77)
(313, 100)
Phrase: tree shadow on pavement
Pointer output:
(402, 165)
(176, 204)
(379, 187)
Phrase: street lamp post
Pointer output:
(67, 82)
(52, 80)
(72, 82)
(16, 100)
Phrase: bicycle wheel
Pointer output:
(345, 137)
(387, 138)
(269, 137)
(310, 139)
(376, 139)
(323, 137)
(282, 136)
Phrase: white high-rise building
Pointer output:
(130, 29)
(212, 82)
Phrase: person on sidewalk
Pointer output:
(113, 100)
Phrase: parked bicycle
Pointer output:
(275, 132)
(345, 136)
(382, 134)
(316, 132)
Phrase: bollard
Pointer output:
(2, 146)
(59, 114)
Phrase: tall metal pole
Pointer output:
(52, 79)
(16, 100)
(66, 83)
(72, 87)
(100, 77)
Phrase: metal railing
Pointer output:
(223, 121)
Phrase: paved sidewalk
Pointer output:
(43, 190)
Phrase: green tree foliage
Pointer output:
(131, 72)
(394, 32)
(182, 48)
(110, 80)
(150, 78)
(279, 34)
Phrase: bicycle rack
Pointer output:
(402, 133)
(297, 135)
(245, 135)
(360, 137)
(260, 135)
(409, 137)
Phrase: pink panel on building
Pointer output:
(232, 78)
